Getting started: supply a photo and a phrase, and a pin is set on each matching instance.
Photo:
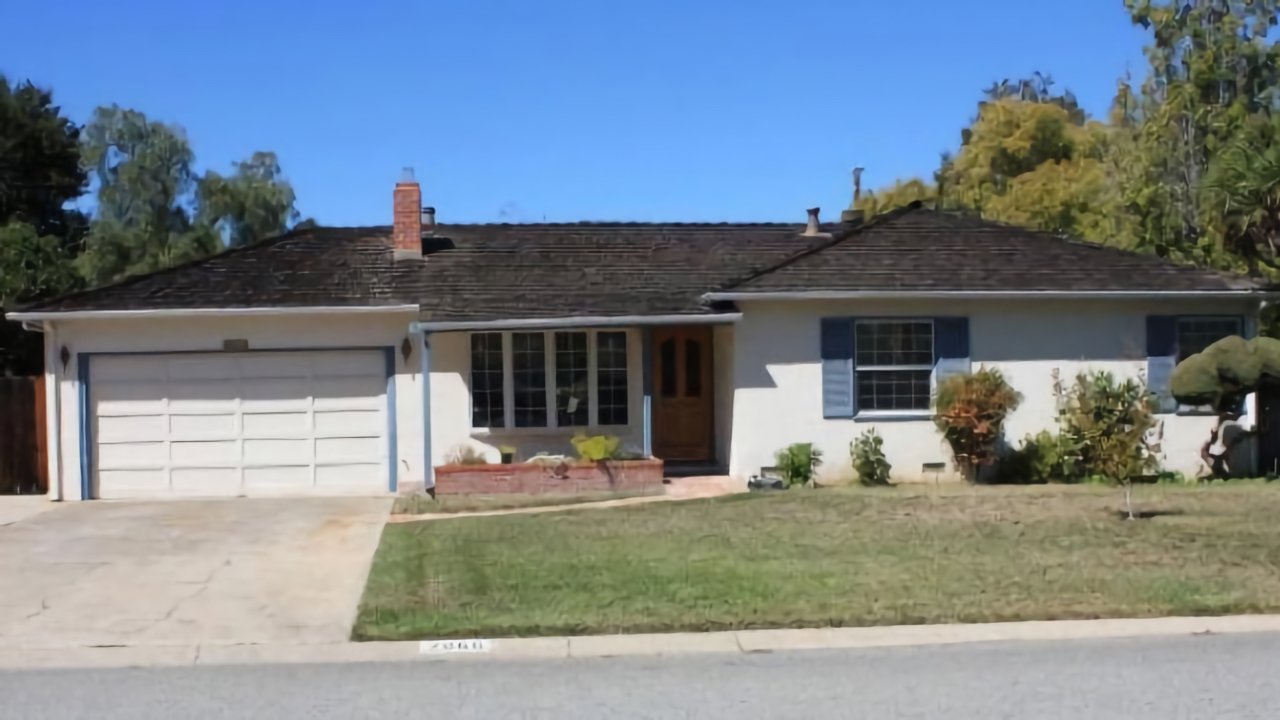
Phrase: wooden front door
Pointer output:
(682, 393)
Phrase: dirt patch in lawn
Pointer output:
(832, 557)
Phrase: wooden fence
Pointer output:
(23, 450)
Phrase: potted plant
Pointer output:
(508, 454)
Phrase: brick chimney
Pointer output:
(406, 232)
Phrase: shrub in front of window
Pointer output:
(1225, 372)
(467, 455)
(970, 410)
(869, 462)
(798, 463)
(596, 448)
(1106, 421)
(1045, 457)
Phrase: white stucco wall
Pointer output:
(451, 406)
(172, 334)
(778, 383)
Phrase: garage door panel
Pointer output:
(360, 388)
(196, 452)
(329, 450)
(127, 367)
(344, 423)
(206, 481)
(120, 456)
(280, 476)
(276, 424)
(131, 483)
(273, 423)
(272, 393)
(278, 452)
(276, 365)
(117, 428)
(205, 367)
(354, 475)
(197, 426)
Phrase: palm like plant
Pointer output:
(1245, 184)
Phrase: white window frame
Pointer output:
(549, 368)
(933, 352)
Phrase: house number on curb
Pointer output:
(439, 647)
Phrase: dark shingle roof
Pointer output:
(475, 273)
(470, 272)
(918, 250)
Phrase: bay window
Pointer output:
(553, 379)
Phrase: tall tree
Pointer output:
(254, 203)
(145, 181)
(39, 175)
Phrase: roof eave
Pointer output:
(1260, 294)
(578, 321)
(39, 315)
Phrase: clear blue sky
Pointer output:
(521, 110)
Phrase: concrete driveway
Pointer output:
(187, 572)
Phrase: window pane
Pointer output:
(692, 368)
(611, 377)
(1197, 333)
(909, 342)
(667, 367)
(893, 389)
(486, 380)
(571, 379)
(529, 375)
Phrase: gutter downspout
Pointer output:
(424, 377)
(53, 409)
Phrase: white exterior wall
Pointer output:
(174, 334)
(451, 405)
(778, 374)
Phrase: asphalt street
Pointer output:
(1222, 677)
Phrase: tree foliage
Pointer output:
(1226, 371)
(155, 211)
(1185, 165)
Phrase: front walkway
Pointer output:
(187, 572)
(687, 488)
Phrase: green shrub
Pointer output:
(1043, 458)
(970, 410)
(1267, 351)
(1237, 361)
(869, 462)
(467, 455)
(798, 462)
(1195, 381)
(596, 448)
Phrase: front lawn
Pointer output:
(831, 557)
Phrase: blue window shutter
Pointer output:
(1162, 356)
(951, 346)
(839, 389)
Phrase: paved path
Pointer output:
(186, 572)
(691, 488)
(1222, 677)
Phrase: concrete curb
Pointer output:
(597, 646)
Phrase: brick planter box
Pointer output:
(567, 479)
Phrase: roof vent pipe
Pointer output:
(811, 229)
(857, 187)
(428, 220)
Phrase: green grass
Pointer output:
(833, 557)
(419, 504)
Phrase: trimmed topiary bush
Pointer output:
(1195, 381)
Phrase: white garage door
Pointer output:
(264, 423)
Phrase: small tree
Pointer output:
(970, 412)
(1105, 422)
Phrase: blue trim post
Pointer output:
(428, 469)
(646, 380)
(86, 444)
(393, 449)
